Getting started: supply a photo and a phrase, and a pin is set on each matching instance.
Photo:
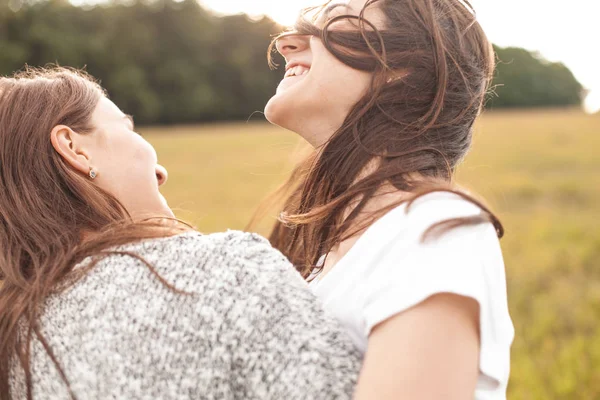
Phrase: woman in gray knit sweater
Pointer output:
(104, 295)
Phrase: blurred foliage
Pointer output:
(163, 61)
(168, 61)
(525, 79)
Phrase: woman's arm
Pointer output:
(430, 351)
(286, 347)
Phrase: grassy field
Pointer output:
(540, 170)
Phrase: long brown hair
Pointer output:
(46, 208)
(431, 67)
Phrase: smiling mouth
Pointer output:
(298, 70)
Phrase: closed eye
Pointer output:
(131, 124)
(335, 10)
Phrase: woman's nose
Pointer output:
(290, 44)
(161, 174)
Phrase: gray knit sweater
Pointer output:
(250, 329)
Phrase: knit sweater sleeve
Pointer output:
(293, 350)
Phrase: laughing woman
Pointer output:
(387, 92)
(98, 301)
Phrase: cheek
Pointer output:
(342, 87)
(130, 163)
(323, 98)
(144, 152)
(134, 179)
(339, 85)
(143, 160)
(329, 91)
(134, 150)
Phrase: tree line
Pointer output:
(168, 61)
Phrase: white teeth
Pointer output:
(298, 70)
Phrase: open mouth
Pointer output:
(293, 73)
(298, 70)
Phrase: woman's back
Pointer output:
(248, 329)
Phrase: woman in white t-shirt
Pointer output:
(387, 93)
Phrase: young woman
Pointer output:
(387, 93)
(98, 301)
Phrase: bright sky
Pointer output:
(560, 30)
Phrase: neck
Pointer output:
(317, 131)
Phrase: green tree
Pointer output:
(525, 79)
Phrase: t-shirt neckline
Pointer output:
(319, 280)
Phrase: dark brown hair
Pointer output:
(431, 67)
(51, 217)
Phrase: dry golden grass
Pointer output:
(540, 170)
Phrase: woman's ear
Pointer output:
(65, 142)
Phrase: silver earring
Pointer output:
(92, 173)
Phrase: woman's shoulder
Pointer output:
(439, 206)
(178, 273)
(190, 260)
(413, 219)
(196, 243)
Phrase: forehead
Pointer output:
(107, 113)
(108, 109)
(372, 12)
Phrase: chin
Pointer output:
(291, 116)
(284, 112)
(166, 210)
(274, 111)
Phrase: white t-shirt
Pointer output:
(389, 270)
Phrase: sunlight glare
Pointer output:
(283, 12)
(592, 102)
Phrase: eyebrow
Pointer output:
(130, 118)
